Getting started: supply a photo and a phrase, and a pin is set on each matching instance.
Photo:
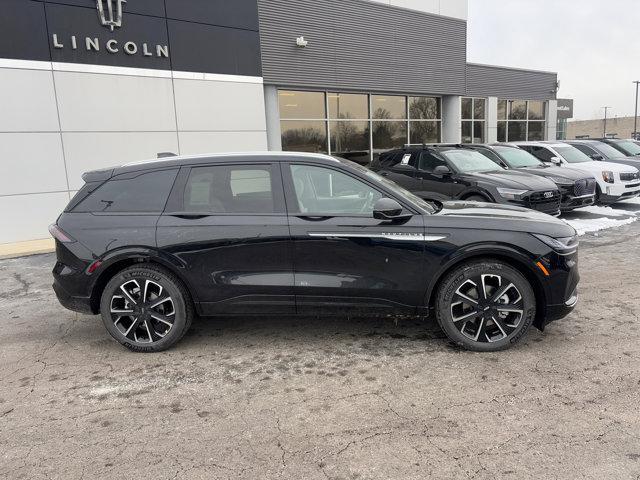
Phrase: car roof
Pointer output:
(547, 143)
(170, 161)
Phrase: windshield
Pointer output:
(608, 151)
(394, 187)
(572, 154)
(517, 158)
(470, 161)
(630, 148)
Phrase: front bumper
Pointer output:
(571, 203)
(560, 287)
(619, 191)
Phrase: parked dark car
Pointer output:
(149, 245)
(628, 147)
(444, 172)
(578, 189)
(601, 151)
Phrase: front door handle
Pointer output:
(189, 215)
(313, 218)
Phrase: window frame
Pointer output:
(473, 120)
(175, 205)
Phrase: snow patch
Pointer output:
(596, 218)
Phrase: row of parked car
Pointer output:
(551, 177)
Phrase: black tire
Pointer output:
(122, 306)
(477, 198)
(485, 326)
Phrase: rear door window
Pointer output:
(143, 193)
(236, 189)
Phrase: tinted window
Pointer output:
(321, 190)
(584, 149)
(428, 162)
(229, 189)
(145, 193)
(630, 148)
(540, 153)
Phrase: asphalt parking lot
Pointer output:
(321, 398)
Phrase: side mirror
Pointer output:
(441, 170)
(556, 161)
(389, 209)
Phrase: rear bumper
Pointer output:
(70, 302)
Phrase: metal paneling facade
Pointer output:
(360, 45)
(510, 83)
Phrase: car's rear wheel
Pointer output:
(485, 305)
(146, 308)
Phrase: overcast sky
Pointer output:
(592, 44)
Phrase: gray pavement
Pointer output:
(319, 398)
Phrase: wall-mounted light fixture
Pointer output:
(301, 42)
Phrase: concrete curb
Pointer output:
(25, 249)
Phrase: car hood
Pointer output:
(569, 174)
(511, 179)
(491, 216)
(598, 167)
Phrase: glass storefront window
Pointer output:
(348, 106)
(526, 120)
(536, 131)
(304, 136)
(536, 110)
(388, 135)
(502, 109)
(517, 110)
(301, 105)
(478, 132)
(357, 126)
(386, 107)
(479, 108)
(424, 132)
(424, 108)
(502, 131)
(473, 120)
(517, 131)
(350, 140)
(467, 108)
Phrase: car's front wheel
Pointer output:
(146, 308)
(485, 305)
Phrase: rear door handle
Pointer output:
(189, 215)
(312, 218)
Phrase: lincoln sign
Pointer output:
(110, 14)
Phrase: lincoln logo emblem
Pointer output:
(112, 17)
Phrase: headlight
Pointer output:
(511, 194)
(564, 246)
(608, 177)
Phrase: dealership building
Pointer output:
(86, 84)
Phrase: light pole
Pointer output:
(635, 120)
(604, 135)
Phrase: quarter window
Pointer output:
(144, 193)
(325, 191)
(229, 189)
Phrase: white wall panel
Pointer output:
(454, 8)
(27, 101)
(31, 162)
(219, 106)
(214, 142)
(92, 151)
(26, 217)
(114, 103)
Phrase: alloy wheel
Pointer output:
(141, 312)
(487, 308)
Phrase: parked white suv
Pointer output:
(615, 181)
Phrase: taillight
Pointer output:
(60, 235)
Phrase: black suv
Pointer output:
(629, 147)
(599, 150)
(149, 245)
(442, 172)
(578, 189)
